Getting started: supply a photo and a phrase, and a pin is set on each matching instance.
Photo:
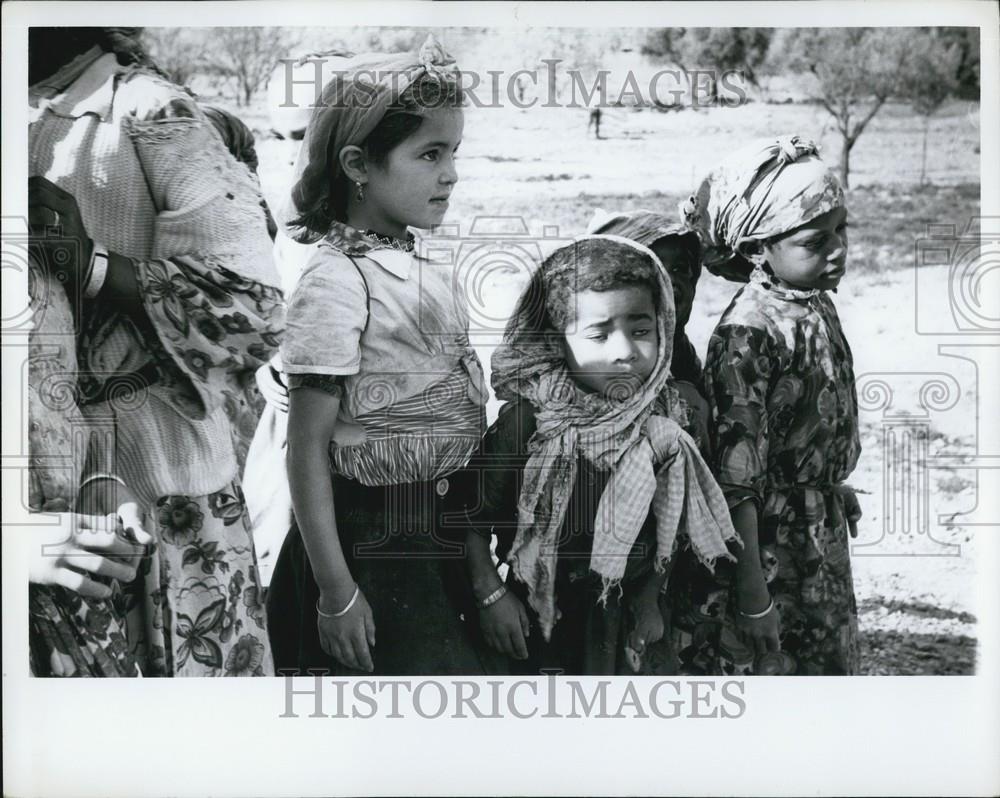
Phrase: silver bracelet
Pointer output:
(756, 615)
(98, 271)
(102, 475)
(343, 612)
(493, 597)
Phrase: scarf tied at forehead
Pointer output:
(635, 434)
(362, 89)
(763, 190)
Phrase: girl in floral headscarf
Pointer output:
(779, 376)
(384, 388)
(588, 477)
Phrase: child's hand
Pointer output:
(505, 626)
(272, 387)
(852, 508)
(764, 633)
(649, 628)
(349, 638)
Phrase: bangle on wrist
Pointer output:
(343, 612)
(102, 475)
(492, 598)
(756, 615)
(97, 271)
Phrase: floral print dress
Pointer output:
(196, 608)
(780, 382)
(172, 381)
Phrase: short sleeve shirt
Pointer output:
(394, 327)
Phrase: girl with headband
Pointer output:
(588, 478)
(385, 390)
(780, 381)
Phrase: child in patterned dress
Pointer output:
(780, 381)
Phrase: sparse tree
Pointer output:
(966, 43)
(716, 50)
(856, 69)
(931, 76)
(177, 51)
(247, 56)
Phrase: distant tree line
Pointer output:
(855, 71)
(851, 72)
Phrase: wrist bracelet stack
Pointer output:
(492, 598)
(343, 612)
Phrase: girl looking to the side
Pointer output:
(385, 389)
(780, 381)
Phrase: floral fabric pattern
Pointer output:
(86, 631)
(780, 382)
(197, 608)
(155, 184)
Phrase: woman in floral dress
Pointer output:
(177, 302)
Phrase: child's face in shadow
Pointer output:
(676, 259)
(612, 339)
(813, 255)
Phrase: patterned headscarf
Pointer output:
(632, 433)
(363, 88)
(762, 190)
(646, 228)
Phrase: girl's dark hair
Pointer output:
(402, 120)
(547, 304)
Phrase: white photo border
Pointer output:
(876, 735)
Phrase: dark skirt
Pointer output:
(405, 549)
(589, 638)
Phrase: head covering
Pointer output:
(51, 48)
(235, 135)
(630, 432)
(363, 88)
(126, 44)
(647, 228)
(765, 189)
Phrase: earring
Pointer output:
(360, 194)
(758, 275)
